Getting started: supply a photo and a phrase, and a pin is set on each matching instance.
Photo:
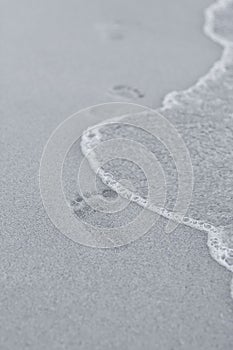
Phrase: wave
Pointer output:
(219, 27)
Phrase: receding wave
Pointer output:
(203, 115)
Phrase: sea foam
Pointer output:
(204, 116)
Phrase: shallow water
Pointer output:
(203, 116)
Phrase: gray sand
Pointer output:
(160, 292)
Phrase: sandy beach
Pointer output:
(161, 291)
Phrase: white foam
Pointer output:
(217, 247)
(218, 68)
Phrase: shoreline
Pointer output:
(215, 234)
